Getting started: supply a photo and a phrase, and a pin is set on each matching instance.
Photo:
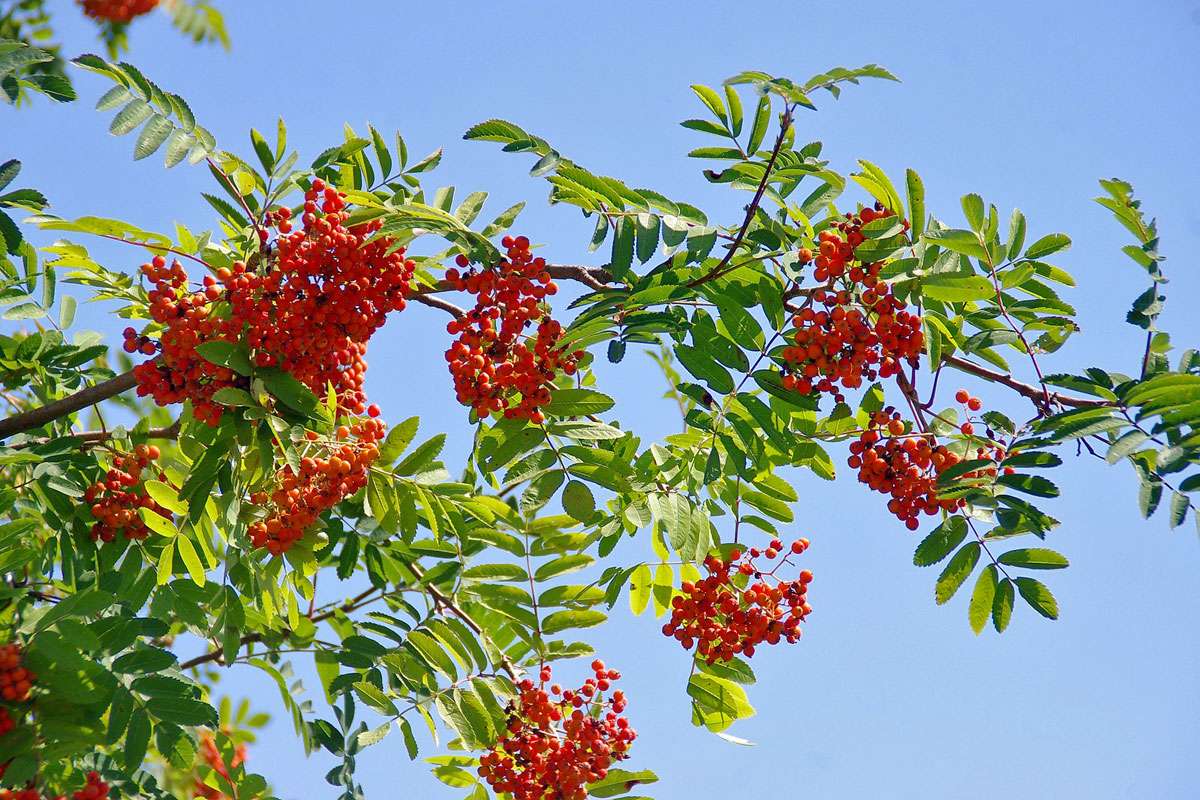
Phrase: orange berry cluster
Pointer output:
(904, 465)
(310, 308)
(329, 473)
(329, 289)
(180, 373)
(15, 680)
(117, 10)
(116, 499)
(724, 615)
(557, 742)
(863, 331)
(211, 755)
(493, 360)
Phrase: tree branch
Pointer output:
(37, 417)
(97, 437)
(434, 302)
(1034, 393)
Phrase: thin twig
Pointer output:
(785, 124)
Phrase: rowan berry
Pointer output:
(117, 10)
(309, 307)
(722, 615)
(557, 742)
(329, 472)
(860, 330)
(496, 365)
(15, 681)
(117, 499)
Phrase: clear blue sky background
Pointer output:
(1027, 103)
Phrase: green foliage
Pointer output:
(471, 577)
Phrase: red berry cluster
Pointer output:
(93, 789)
(737, 606)
(211, 756)
(117, 10)
(329, 473)
(15, 680)
(309, 308)
(905, 465)
(493, 360)
(116, 499)
(557, 742)
(7, 723)
(180, 373)
(863, 331)
(328, 289)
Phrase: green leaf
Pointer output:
(1046, 245)
(153, 134)
(191, 559)
(640, 583)
(227, 354)
(702, 365)
(717, 703)
(712, 100)
(134, 113)
(291, 392)
(619, 781)
(562, 565)
(762, 121)
(1002, 606)
(1034, 558)
(956, 572)
(951, 287)
(1038, 596)
(983, 598)
(938, 544)
(572, 618)
(958, 241)
(1029, 484)
(578, 501)
(577, 403)
(916, 203)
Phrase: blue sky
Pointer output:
(1026, 103)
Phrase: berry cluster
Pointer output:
(737, 606)
(862, 332)
(559, 741)
(93, 789)
(493, 360)
(211, 755)
(7, 723)
(117, 10)
(905, 465)
(965, 399)
(328, 289)
(309, 308)
(15, 680)
(329, 473)
(180, 373)
(116, 499)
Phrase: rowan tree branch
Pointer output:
(37, 417)
(435, 302)
(1035, 393)
(97, 437)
